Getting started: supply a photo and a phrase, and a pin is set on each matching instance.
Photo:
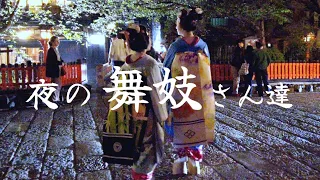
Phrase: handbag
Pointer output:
(63, 71)
(244, 69)
(121, 142)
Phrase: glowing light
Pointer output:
(156, 37)
(35, 3)
(309, 37)
(24, 34)
(45, 34)
(96, 39)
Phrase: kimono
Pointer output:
(192, 128)
(147, 122)
(181, 46)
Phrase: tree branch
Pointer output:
(312, 5)
(2, 29)
(167, 4)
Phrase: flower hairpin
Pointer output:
(199, 10)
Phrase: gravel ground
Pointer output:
(252, 142)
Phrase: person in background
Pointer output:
(112, 38)
(53, 67)
(118, 51)
(163, 52)
(261, 63)
(249, 58)
(236, 62)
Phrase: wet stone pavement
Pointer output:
(252, 142)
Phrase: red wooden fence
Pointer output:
(20, 76)
(222, 72)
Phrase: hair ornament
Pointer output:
(199, 10)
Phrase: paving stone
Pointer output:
(231, 132)
(283, 159)
(9, 143)
(261, 167)
(58, 164)
(5, 119)
(235, 171)
(61, 130)
(207, 172)
(293, 119)
(226, 144)
(279, 142)
(27, 159)
(315, 177)
(213, 156)
(24, 115)
(90, 163)
(37, 127)
(246, 115)
(32, 147)
(86, 135)
(77, 106)
(307, 105)
(287, 131)
(63, 118)
(83, 119)
(41, 136)
(297, 153)
(102, 174)
(66, 107)
(60, 142)
(92, 148)
(24, 172)
(275, 142)
(293, 113)
(286, 162)
(17, 127)
(99, 113)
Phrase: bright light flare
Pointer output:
(24, 34)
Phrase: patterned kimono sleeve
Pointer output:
(154, 77)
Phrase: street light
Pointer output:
(45, 36)
(308, 39)
(269, 45)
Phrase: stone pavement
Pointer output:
(252, 142)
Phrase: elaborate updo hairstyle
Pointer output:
(138, 41)
(143, 29)
(121, 36)
(189, 18)
(52, 39)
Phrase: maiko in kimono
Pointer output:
(191, 128)
(145, 126)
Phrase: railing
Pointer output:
(222, 72)
(17, 77)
